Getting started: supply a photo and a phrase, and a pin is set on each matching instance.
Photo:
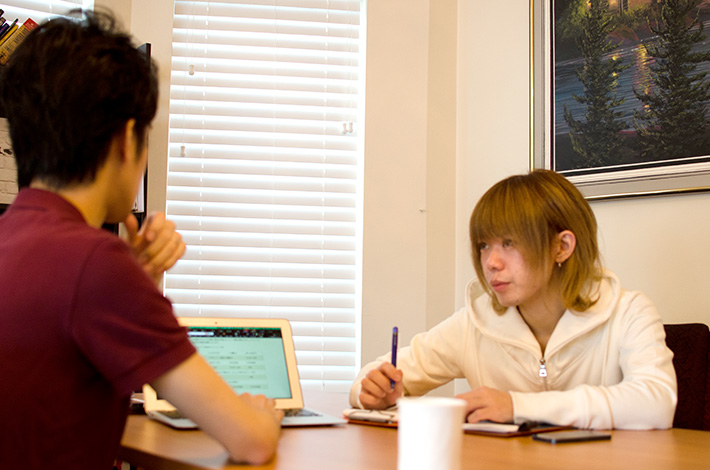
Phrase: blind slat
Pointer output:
(276, 154)
(292, 270)
(239, 196)
(295, 314)
(265, 284)
(332, 4)
(245, 254)
(322, 11)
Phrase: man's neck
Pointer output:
(84, 197)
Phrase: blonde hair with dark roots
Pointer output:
(532, 209)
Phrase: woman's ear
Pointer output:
(566, 243)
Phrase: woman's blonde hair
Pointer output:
(532, 209)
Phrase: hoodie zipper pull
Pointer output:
(543, 369)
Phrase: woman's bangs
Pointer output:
(498, 217)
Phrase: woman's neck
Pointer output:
(542, 318)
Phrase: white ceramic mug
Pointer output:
(430, 431)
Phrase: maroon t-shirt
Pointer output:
(81, 327)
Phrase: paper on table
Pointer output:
(375, 416)
(490, 426)
(390, 416)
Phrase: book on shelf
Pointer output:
(6, 30)
(14, 39)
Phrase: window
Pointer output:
(263, 171)
(40, 10)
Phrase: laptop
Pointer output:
(252, 355)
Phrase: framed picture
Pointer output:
(620, 99)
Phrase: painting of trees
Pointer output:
(631, 85)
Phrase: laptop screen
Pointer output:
(249, 359)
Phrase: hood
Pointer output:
(510, 328)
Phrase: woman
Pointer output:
(546, 333)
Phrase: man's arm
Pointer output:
(248, 426)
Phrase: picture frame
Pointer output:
(633, 174)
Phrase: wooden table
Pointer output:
(153, 446)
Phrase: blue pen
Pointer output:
(394, 351)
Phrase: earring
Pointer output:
(559, 265)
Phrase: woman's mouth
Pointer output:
(499, 285)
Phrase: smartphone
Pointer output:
(571, 436)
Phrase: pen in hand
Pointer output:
(394, 352)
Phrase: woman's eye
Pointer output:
(507, 243)
(482, 246)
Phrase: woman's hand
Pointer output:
(486, 403)
(377, 392)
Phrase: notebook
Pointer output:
(251, 355)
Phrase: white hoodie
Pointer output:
(607, 367)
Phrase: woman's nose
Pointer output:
(493, 260)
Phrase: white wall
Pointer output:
(661, 246)
(409, 169)
(394, 244)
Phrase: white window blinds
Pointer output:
(263, 171)
(40, 10)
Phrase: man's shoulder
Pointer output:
(81, 240)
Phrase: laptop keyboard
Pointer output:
(175, 414)
(300, 412)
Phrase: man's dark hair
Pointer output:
(67, 90)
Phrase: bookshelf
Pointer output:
(11, 35)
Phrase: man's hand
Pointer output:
(157, 245)
(486, 403)
(264, 405)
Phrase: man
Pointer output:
(82, 323)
